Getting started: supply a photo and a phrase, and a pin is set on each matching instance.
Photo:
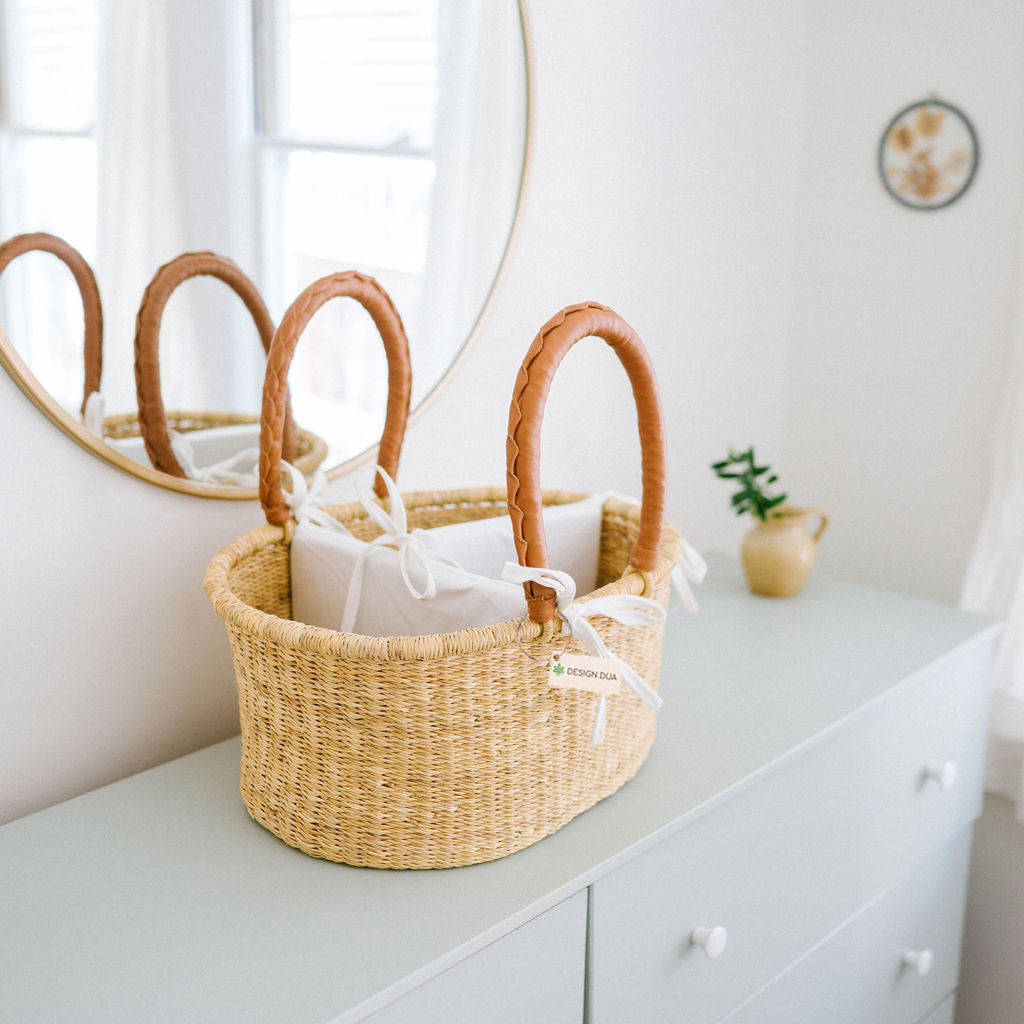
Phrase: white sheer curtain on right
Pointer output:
(481, 118)
(994, 583)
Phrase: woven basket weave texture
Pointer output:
(426, 752)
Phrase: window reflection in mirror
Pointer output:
(297, 137)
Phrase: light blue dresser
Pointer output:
(794, 851)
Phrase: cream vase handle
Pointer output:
(822, 525)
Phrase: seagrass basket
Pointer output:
(451, 749)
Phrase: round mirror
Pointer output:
(294, 137)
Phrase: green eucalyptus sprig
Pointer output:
(752, 495)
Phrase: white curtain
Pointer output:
(994, 583)
(141, 212)
(481, 119)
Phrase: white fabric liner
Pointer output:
(462, 561)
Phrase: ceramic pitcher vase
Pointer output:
(778, 554)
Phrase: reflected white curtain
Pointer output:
(994, 583)
(141, 195)
(481, 118)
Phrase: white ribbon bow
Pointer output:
(691, 568)
(396, 535)
(309, 506)
(93, 414)
(226, 471)
(624, 608)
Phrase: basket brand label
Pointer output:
(581, 672)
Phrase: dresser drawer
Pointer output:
(533, 974)
(859, 975)
(791, 857)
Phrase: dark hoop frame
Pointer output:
(975, 153)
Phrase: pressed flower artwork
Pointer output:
(928, 155)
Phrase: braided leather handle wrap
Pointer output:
(40, 241)
(152, 415)
(556, 337)
(376, 301)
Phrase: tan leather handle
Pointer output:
(556, 337)
(41, 241)
(152, 415)
(366, 291)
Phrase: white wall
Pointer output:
(901, 317)
(112, 659)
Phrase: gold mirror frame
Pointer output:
(18, 369)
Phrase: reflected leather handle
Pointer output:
(376, 301)
(152, 415)
(556, 337)
(41, 241)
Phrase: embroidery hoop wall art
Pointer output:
(928, 155)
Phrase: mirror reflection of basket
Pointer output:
(215, 447)
(215, 441)
(451, 749)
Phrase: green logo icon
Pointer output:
(557, 668)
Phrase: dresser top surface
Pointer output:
(158, 898)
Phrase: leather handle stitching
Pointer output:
(152, 414)
(650, 422)
(347, 284)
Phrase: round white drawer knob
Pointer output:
(944, 776)
(711, 940)
(919, 959)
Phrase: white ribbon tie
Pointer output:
(226, 471)
(691, 568)
(309, 506)
(624, 608)
(93, 414)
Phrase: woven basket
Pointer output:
(41, 241)
(302, 448)
(445, 750)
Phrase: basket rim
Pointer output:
(316, 639)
